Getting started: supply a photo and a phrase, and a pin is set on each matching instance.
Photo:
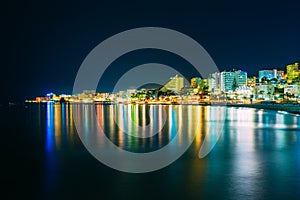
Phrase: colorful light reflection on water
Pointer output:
(259, 150)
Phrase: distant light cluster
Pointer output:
(232, 86)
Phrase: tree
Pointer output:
(263, 79)
(234, 84)
(274, 80)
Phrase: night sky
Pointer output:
(43, 43)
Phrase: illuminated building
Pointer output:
(122, 94)
(264, 92)
(270, 74)
(130, 92)
(227, 79)
(195, 82)
(175, 83)
(292, 71)
(87, 95)
(214, 81)
(291, 89)
(101, 96)
(42, 99)
(244, 90)
(280, 74)
(251, 81)
(50, 95)
(233, 79)
(241, 78)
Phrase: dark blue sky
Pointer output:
(43, 43)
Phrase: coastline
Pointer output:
(291, 108)
(288, 107)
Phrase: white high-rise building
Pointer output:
(230, 80)
(214, 82)
(241, 78)
(227, 80)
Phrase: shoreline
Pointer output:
(290, 108)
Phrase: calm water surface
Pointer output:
(257, 156)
